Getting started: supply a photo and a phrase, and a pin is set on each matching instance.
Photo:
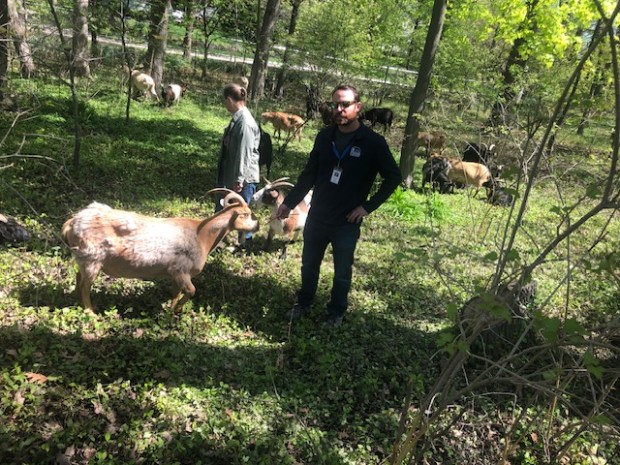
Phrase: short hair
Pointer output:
(235, 92)
(356, 94)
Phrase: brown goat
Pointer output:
(288, 122)
(270, 196)
(129, 245)
(432, 140)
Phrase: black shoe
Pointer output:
(296, 312)
(333, 322)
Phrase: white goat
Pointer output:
(130, 245)
(242, 81)
(143, 83)
(172, 94)
(269, 196)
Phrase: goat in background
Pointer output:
(143, 83)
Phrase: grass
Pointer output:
(228, 381)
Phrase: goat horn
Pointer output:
(279, 180)
(230, 196)
(277, 184)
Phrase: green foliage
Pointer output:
(227, 381)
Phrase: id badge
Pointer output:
(336, 175)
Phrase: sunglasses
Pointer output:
(339, 105)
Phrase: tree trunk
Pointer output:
(158, 37)
(514, 63)
(189, 30)
(418, 96)
(17, 13)
(261, 56)
(599, 81)
(75, 104)
(4, 49)
(80, 39)
(285, 59)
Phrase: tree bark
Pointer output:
(261, 56)
(189, 20)
(17, 13)
(4, 49)
(75, 104)
(285, 59)
(418, 96)
(514, 63)
(158, 38)
(80, 39)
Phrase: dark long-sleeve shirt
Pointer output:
(368, 155)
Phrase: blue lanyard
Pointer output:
(339, 155)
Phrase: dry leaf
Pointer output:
(36, 377)
(18, 398)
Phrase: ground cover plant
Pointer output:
(229, 380)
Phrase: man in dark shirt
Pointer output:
(342, 169)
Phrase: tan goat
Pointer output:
(468, 173)
(271, 196)
(288, 122)
(433, 140)
(129, 245)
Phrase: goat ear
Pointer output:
(273, 194)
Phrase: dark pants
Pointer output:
(316, 239)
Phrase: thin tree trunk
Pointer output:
(418, 96)
(17, 13)
(74, 96)
(514, 63)
(158, 38)
(4, 49)
(80, 39)
(128, 62)
(263, 44)
(189, 30)
(597, 86)
(570, 98)
(285, 59)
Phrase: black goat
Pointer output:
(12, 232)
(478, 153)
(435, 171)
(497, 195)
(265, 151)
(384, 116)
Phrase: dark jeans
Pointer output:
(316, 239)
(247, 192)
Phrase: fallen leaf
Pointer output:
(36, 377)
(18, 398)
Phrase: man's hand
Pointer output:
(283, 212)
(357, 214)
(237, 186)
